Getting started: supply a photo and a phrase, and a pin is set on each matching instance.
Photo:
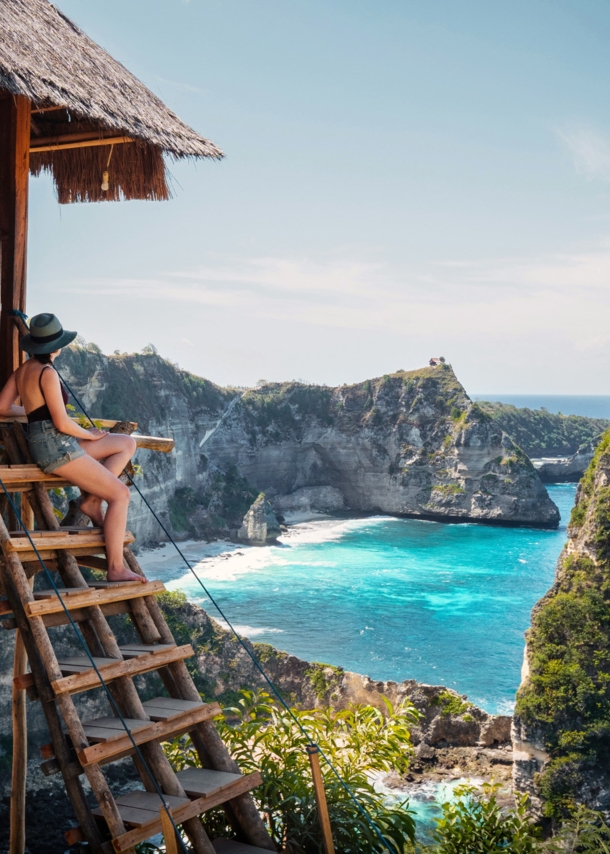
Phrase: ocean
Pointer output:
(391, 598)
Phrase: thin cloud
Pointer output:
(590, 152)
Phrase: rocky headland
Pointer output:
(561, 732)
(410, 443)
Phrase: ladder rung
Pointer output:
(180, 814)
(166, 708)
(48, 543)
(114, 741)
(143, 664)
(89, 597)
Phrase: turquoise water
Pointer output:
(391, 598)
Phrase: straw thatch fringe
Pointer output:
(49, 60)
(136, 171)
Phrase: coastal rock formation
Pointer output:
(561, 733)
(572, 469)
(260, 526)
(410, 443)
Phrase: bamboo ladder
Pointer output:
(81, 748)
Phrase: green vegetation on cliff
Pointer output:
(566, 699)
(129, 378)
(540, 433)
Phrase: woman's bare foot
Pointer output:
(121, 573)
(92, 507)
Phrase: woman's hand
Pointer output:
(94, 433)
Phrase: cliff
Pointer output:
(561, 732)
(544, 434)
(410, 443)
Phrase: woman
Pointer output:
(90, 459)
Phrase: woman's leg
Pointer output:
(114, 452)
(91, 476)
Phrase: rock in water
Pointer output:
(572, 469)
(561, 728)
(260, 526)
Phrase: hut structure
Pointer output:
(70, 109)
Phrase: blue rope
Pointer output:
(93, 664)
(254, 659)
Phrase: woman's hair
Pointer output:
(43, 358)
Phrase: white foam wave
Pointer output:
(250, 631)
(223, 561)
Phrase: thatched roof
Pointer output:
(46, 58)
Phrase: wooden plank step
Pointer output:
(48, 543)
(231, 846)
(112, 742)
(180, 813)
(19, 478)
(166, 708)
(139, 808)
(80, 663)
(132, 650)
(88, 679)
(85, 598)
(203, 782)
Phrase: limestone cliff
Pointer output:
(561, 733)
(410, 443)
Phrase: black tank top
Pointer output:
(42, 413)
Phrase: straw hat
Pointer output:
(46, 335)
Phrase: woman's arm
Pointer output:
(51, 390)
(8, 396)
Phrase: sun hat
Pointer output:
(46, 335)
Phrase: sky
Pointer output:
(402, 180)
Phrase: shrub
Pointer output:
(263, 737)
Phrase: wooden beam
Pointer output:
(14, 173)
(58, 143)
(90, 597)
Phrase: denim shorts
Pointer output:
(51, 449)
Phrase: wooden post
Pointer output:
(318, 785)
(14, 173)
(27, 512)
(20, 752)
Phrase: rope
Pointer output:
(382, 839)
(93, 665)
